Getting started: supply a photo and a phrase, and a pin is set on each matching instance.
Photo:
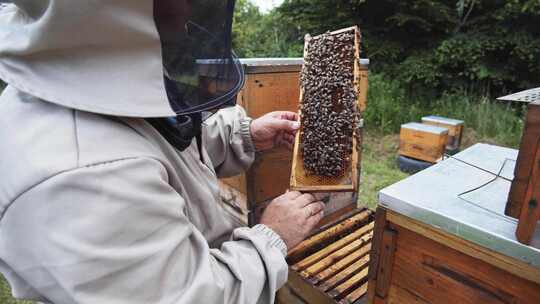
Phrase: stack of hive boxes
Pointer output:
(423, 144)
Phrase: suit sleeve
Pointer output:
(118, 233)
(228, 141)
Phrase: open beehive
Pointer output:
(332, 265)
(343, 176)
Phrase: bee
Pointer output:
(329, 112)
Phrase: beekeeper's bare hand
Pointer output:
(274, 129)
(293, 215)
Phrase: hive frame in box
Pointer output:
(332, 265)
(348, 182)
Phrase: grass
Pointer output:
(388, 108)
(379, 161)
(5, 294)
(379, 167)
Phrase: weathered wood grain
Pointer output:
(340, 265)
(530, 210)
(525, 161)
(433, 267)
(380, 225)
(355, 295)
(350, 284)
(319, 255)
(307, 291)
(384, 272)
(439, 274)
(345, 274)
(513, 266)
(336, 256)
(321, 239)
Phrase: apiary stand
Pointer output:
(441, 236)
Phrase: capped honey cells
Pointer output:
(329, 113)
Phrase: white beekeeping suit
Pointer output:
(96, 205)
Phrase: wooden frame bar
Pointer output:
(349, 181)
(332, 266)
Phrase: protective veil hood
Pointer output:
(100, 56)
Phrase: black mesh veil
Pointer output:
(200, 70)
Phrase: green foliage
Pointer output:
(262, 35)
(379, 168)
(388, 108)
(5, 291)
(486, 46)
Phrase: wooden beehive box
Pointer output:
(441, 236)
(423, 142)
(454, 126)
(272, 84)
(301, 179)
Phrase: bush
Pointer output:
(389, 106)
(488, 46)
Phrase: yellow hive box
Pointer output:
(422, 141)
(454, 126)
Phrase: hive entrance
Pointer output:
(325, 152)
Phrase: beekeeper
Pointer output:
(116, 123)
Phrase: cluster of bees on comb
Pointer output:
(329, 111)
